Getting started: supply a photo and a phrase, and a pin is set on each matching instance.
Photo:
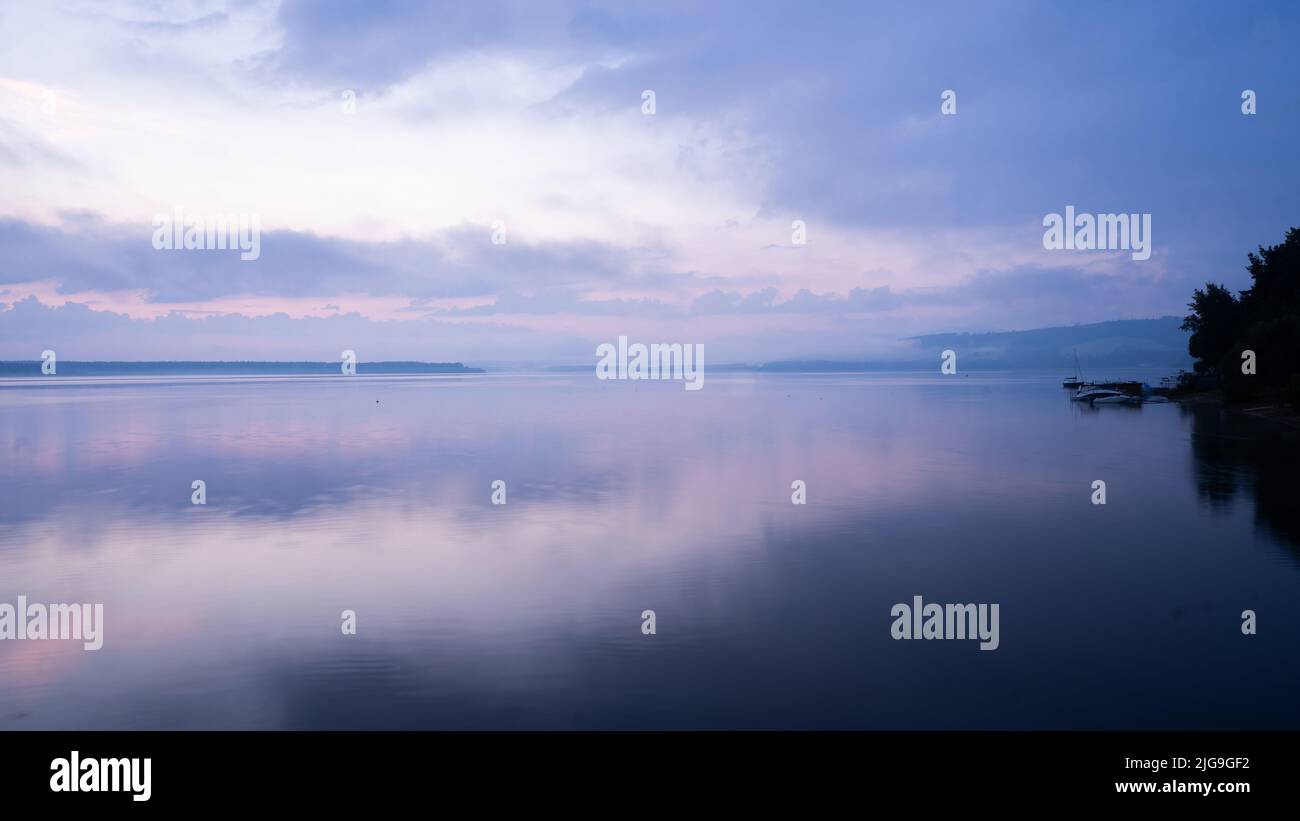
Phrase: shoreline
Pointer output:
(1276, 412)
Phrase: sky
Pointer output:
(484, 181)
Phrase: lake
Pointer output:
(374, 494)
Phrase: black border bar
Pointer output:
(331, 770)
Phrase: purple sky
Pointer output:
(381, 145)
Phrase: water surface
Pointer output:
(373, 494)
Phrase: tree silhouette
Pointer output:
(1265, 319)
(1215, 323)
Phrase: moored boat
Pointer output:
(1117, 399)
(1095, 394)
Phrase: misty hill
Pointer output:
(1124, 343)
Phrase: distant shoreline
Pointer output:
(86, 368)
(194, 368)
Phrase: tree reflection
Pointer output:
(1240, 455)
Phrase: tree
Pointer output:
(1215, 323)
(1265, 319)
(1275, 277)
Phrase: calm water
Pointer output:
(373, 494)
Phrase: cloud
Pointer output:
(87, 253)
(77, 332)
(528, 115)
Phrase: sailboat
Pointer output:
(1073, 381)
